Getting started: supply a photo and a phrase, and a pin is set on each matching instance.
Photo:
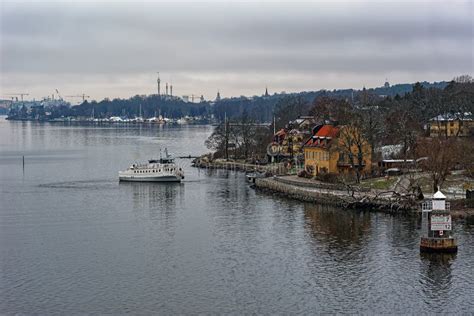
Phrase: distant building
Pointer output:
(324, 153)
(304, 123)
(286, 143)
(449, 125)
(218, 97)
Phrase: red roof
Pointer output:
(328, 131)
(323, 136)
(280, 132)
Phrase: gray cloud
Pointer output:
(114, 49)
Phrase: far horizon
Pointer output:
(114, 50)
(196, 97)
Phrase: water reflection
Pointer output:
(336, 227)
(436, 273)
(159, 200)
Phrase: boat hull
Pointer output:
(170, 178)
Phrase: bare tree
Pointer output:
(330, 109)
(372, 126)
(352, 143)
(463, 79)
(442, 156)
(288, 109)
(219, 140)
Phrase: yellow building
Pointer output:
(449, 125)
(326, 151)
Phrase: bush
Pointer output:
(304, 174)
(328, 177)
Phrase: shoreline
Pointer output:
(306, 190)
(328, 195)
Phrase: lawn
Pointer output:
(379, 183)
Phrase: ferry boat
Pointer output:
(156, 170)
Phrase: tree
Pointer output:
(219, 140)
(352, 143)
(246, 132)
(402, 127)
(442, 155)
(288, 109)
(372, 126)
(330, 109)
(463, 79)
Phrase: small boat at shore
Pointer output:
(156, 170)
(254, 175)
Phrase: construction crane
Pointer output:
(193, 96)
(59, 94)
(83, 96)
(20, 94)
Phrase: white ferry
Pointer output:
(162, 170)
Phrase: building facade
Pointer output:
(452, 125)
(326, 151)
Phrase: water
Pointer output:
(74, 240)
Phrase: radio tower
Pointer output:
(158, 82)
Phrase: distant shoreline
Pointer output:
(108, 122)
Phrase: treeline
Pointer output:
(149, 106)
(258, 108)
(262, 108)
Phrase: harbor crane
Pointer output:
(83, 96)
(59, 94)
(194, 96)
(20, 94)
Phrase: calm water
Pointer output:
(74, 240)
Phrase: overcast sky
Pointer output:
(114, 48)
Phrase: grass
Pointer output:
(379, 183)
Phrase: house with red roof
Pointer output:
(336, 149)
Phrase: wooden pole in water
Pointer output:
(23, 164)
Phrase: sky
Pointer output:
(114, 49)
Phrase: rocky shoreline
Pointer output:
(340, 195)
(321, 194)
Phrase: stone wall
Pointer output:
(329, 197)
